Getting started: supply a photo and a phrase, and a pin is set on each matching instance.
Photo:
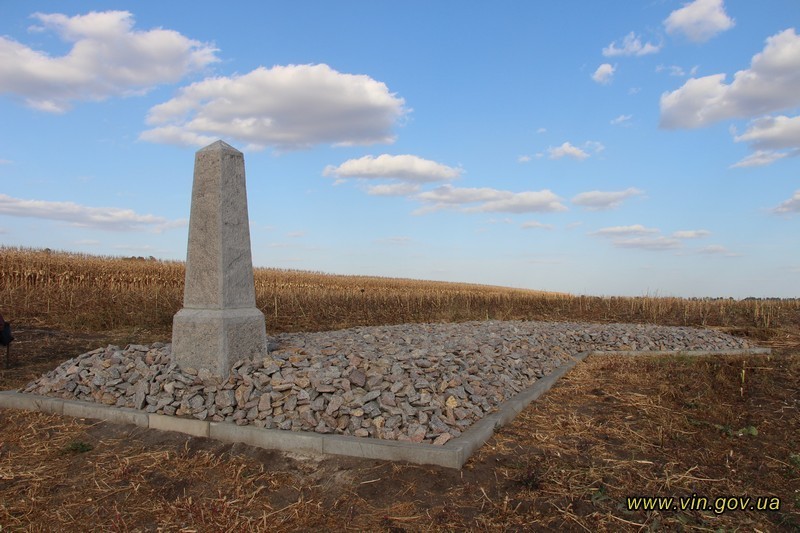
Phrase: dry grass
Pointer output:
(57, 289)
(609, 430)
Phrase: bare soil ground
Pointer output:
(613, 428)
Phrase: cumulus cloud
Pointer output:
(792, 205)
(600, 200)
(770, 84)
(631, 46)
(489, 200)
(524, 159)
(622, 120)
(621, 231)
(567, 150)
(691, 234)
(543, 201)
(534, 224)
(604, 73)
(639, 236)
(772, 133)
(447, 194)
(700, 20)
(287, 107)
(771, 138)
(393, 189)
(408, 168)
(106, 218)
(108, 57)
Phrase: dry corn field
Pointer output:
(612, 428)
(90, 293)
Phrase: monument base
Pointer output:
(214, 339)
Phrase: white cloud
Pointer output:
(639, 236)
(489, 200)
(533, 224)
(771, 83)
(634, 90)
(393, 189)
(631, 46)
(288, 107)
(674, 70)
(691, 234)
(106, 218)
(296, 234)
(604, 73)
(447, 194)
(772, 133)
(618, 231)
(86, 242)
(699, 20)
(5, 161)
(623, 120)
(107, 58)
(594, 146)
(648, 243)
(717, 249)
(792, 205)
(402, 167)
(599, 200)
(541, 130)
(567, 149)
(769, 137)
(760, 158)
(522, 202)
(524, 159)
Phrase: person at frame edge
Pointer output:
(5, 332)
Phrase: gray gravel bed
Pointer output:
(411, 382)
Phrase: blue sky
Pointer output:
(608, 148)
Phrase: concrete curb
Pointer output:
(653, 353)
(452, 455)
(483, 429)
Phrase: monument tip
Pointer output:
(219, 146)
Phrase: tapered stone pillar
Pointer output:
(219, 323)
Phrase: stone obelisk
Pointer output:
(219, 323)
